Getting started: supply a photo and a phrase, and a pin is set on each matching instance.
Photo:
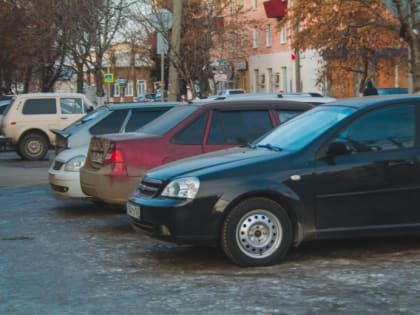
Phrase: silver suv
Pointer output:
(28, 121)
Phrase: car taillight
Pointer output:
(115, 157)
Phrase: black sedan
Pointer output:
(346, 169)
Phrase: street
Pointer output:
(75, 257)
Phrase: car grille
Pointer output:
(57, 165)
(150, 187)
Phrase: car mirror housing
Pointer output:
(337, 148)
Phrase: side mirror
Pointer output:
(90, 109)
(338, 148)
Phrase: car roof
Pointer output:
(50, 94)
(314, 98)
(374, 101)
(254, 101)
(151, 105)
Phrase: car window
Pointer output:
(139, 118)
(39, 106)
(238, 127)
(382, 130)
(193, 133)
(166, 122)
(71, 105)
(111, 124)
(3, 105)
(285, 115)
(88, 117)
(304, 128)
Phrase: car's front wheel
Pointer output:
(33, 146)
(257, 232)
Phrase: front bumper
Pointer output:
(65, 184)
(176, 220)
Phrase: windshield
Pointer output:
(303, 129)
(166, 122)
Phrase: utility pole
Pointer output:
(173, 80)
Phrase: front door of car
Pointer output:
(369, 186)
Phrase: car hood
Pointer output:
(125, 136)
(214, 161)
(68, 154)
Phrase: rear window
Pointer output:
(139, 118)
(111, 124)
(166, 122)
(39, 106)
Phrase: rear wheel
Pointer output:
(257, 232)
(33, 146)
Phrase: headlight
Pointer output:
(182, 188)
(75, 163)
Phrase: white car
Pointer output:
(64, 175)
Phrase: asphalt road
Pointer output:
(72, 257)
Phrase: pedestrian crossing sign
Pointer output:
(109, 78)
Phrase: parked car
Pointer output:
(28, 121)
(72, 142)
(150, 97)
(111, 118)
(345, 169)
(231, 92)
(116, 162)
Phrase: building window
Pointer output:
(129, 88)
(254, 4)
(283, 38)
(141, 87)
(255, 37)
(268, 35)
(257, 80)
(116, 89)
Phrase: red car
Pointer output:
(115, 162)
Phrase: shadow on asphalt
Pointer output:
(113, 223)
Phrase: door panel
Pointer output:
(375, 185)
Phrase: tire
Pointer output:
(257, 232)
(33, 146)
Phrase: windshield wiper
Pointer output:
(268, 146)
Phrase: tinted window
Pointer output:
(139, 118)
(111, 124)
(71, 106)
(169, 120)
(285, 115)
(193, 133)
(237, 127)
(3, 105)
(381, 130)
(39, 106)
